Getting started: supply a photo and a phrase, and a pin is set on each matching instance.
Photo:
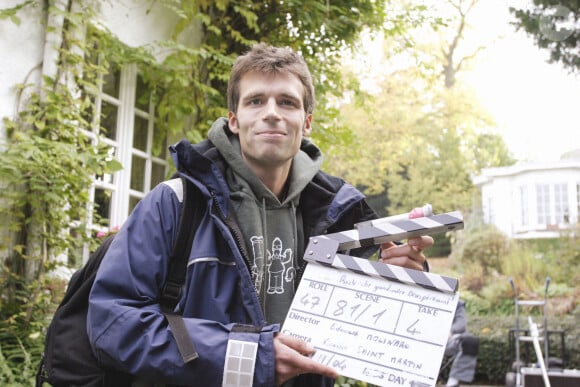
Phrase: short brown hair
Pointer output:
(268, 59)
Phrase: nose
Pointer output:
(271, 110)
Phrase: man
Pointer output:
(265, 197)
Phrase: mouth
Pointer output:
(271, 133)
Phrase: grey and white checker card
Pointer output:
(240, 363)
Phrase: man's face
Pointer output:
(270, 120)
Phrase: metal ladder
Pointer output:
(535, 334)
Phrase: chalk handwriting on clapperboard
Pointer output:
(370, 321)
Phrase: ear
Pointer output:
(307, 126)
(233, 123)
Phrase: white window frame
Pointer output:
(561, 205)
(119, 184)
(543, 204)
(556, 205)
(488, 209)
(524, 203)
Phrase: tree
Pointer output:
(451, 64)
(555, 27)
(423, 135)
(416, 142)
(440, 159)
(492, 151)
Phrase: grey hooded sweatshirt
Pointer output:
(269, 226)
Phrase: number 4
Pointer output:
(412, 330)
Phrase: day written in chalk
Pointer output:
(382, 332)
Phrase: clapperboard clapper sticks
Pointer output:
(374, 322)
(324, 248)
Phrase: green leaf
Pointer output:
(113, 165)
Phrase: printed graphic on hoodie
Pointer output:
(279, 266)
(258, 261)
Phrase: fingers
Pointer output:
(422, 241)
(298, 345)
(409, 255)
(292, 362)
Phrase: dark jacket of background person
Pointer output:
(463, 346)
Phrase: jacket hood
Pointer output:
(305, 165)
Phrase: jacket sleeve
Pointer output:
(125, 325)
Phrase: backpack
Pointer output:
(68, 359)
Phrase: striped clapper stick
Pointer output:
(376, 231)
(371, 321)
(324, 248)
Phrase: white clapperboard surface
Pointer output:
(370, 321)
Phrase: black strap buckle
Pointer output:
(171, 294)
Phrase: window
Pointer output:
(488, 210)
(562, 212)
(124, 111)
(148, 163)
(543, 203)
(552, 204)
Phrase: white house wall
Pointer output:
(21, 59)
(134, 22)
(498, 204)
(141, 23)
(502, 200)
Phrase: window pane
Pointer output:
(143, 95)
(132, 203)
(543, 203)
(157, 174)
(109, 120)
(561, 203)
(140, 134)
(111, 82)
(103, 205)
(159, 143)
(138, 174)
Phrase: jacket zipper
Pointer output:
(233, 228)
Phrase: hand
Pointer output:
(292, 359)
(409, 255)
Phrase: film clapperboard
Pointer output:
(370, 321)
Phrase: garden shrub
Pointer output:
(484, 246)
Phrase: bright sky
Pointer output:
(535, 104)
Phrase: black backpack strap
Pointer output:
(190, 218)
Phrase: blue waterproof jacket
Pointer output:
(125, 325)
